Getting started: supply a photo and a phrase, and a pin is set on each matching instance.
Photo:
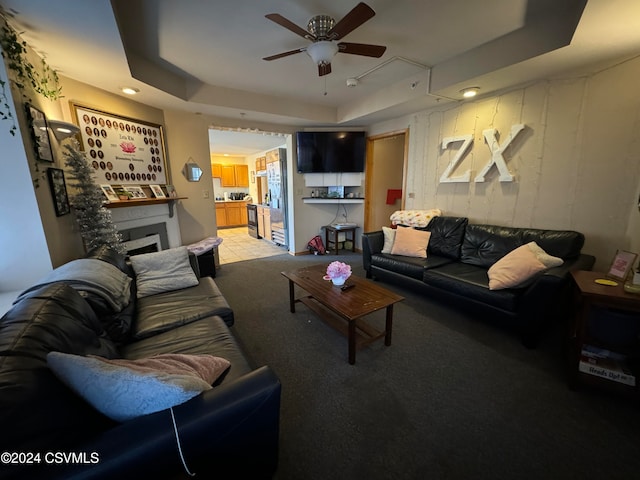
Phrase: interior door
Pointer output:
(385, 178)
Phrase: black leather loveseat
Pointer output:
(229, 431)
(459, 255)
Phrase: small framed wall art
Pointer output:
(621, 265)
(58, 191)
(40, 133)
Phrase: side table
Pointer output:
(591, 294)
(331, 231)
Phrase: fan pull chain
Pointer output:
(325, 85)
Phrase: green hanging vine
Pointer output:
(23, 74)
(14, 50)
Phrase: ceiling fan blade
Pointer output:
(362, 49)
(324, 69)
(289, 25)
(352, 20)
(285, 54)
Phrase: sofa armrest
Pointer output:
(372, 243)
(231, 430)
(548, 299)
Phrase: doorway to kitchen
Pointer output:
(385, 177)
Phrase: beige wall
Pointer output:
(576, 165)
(188, 141)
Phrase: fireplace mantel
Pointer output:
(140, 202)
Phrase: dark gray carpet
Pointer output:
(453, 397)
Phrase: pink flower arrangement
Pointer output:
(338, 269)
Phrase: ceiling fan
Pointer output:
(324, 32)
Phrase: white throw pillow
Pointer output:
(389, 238)
(163, 271)
(125, 389)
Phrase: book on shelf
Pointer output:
(606, 364)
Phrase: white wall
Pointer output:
(24, 256)
(576, 164)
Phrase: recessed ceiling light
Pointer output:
(130, 90)
(469, 92)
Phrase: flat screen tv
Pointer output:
(330, 152)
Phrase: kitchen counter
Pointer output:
(232, 201)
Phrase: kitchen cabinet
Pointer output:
(242, 175)
(221, 215)
(228, 178)
(234, 175)
(231, 214)
(261, 164)
(216, 170)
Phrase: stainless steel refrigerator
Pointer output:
(277, 191)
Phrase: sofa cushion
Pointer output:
(163, 271)
(125, 389)
(484, 245)
(447, 234)
(209, 335)
(38, 410)
(411, 242)
(410, 266)
(164, 311)
(471, 282)
(565, 244)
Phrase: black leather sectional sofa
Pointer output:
(459, 255)
(229, 431)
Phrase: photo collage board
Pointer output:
(122, 151)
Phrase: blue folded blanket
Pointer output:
(91, 275)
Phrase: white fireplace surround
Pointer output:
(125, 218)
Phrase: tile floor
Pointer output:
(237, 245)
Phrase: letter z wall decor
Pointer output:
(497, 157)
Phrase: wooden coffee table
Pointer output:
(344, 309)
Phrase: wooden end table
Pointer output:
(335, 231)
(590, 294)
(344, 309)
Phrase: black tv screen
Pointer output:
(330, 152)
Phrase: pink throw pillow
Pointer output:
(411, 242)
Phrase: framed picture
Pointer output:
(58, 191)
(135, 191)
(110, 193)
(121, 150)
(621, 264)
(171, 191)
(157, 191)
(40, 133)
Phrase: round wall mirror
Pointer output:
(192, 172)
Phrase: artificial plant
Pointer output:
(93, 218)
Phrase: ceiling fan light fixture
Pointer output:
(322, 52)
(470, 92)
